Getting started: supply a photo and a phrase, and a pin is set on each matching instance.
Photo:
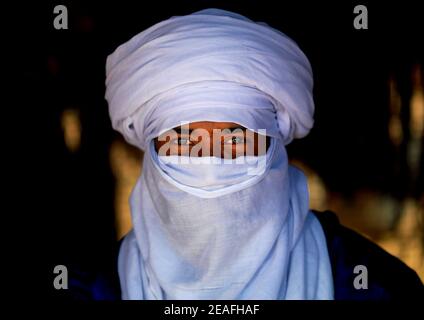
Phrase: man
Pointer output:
(213, 98)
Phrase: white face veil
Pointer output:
(214, 232)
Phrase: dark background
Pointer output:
(72, 194)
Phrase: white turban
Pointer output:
(209, 58)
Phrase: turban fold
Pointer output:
(208, 59)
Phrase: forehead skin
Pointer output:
(210, 125)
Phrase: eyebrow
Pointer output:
(178, 129)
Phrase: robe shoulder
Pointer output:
(88, 281)
(388, 278)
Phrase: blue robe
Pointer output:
(388, 277)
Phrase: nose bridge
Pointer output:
(215, 142)
(210, 142)
(203, 142)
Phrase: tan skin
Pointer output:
(228, 138)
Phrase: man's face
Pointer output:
(205, 138)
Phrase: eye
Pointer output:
(235, 140)
(181, 141)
